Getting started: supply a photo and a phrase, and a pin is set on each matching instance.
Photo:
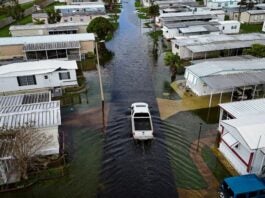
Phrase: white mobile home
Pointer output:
(37, 75)
(81, 13)
(206, 15)
(168, 3)
(263, 27)
(243, 143)
(211, 77)
(219, 4)
(17, 111)
(48, 29)
(66, 47)
(206, 46)
(229, 27)
(189, 28)
(252, 16)
(242, 133)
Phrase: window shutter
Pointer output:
(60, 76)
(18, 81)
(68, 74)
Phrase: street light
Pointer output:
(100, 84)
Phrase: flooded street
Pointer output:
(109, 164)
(131, 170)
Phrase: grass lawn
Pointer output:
(213, 163)
(4, 32)
(185, 171)
(210, 116)
(2, 17)
(24, 21)
(27, 5)
(54, 4)
(249, 28)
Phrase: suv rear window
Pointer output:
(141, 115)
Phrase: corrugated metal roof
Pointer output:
(256, 11)
(47, 26)
(24, 40)
(223, 46)
(198, 13)
(227, 58)
(209, 68)
(174, 2)
(250, 128)
(181, 18)
(203, 28)
(229, 81)
(38, 119)
(245, 108)
(44, 114)
(15, 100)
(35, 67)
(188, 23)
(98, 5)
(219, 39)
(223, 75)
(28, 108)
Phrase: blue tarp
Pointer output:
(245, 184)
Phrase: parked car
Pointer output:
(142, 126)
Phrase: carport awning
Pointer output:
(229, 81)
(51, 46)
(222, 46)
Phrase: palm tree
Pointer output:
(175, 63)
(153, 11)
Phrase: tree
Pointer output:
(102, 27)
(153, 11)
(175, 64)
(249, 4)
(257, 50)
(27, 142)
(14, 10)
(53, 16)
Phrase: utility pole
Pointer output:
(199, 137)
(101, 88)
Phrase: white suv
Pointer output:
(142, 127)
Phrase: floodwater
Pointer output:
(109, 164)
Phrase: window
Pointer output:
(65, 20)
(81, 20)
(64, 75)
(219, 4)
(71, 18)
(176, 46)
(26, 80)
(223, 27)
(45, 77)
